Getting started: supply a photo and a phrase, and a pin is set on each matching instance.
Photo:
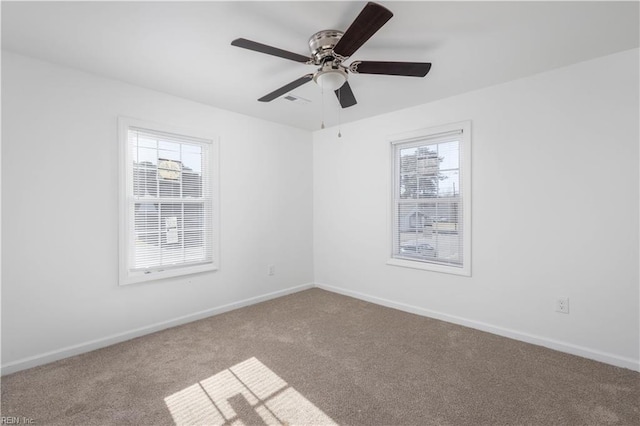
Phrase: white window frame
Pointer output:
(418, 137)
(126, 219)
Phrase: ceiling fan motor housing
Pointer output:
(321, 45)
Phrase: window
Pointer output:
(168, 202)
(430, 199)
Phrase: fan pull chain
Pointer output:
(339, 108)
(322, 96)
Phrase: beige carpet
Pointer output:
(320, 358)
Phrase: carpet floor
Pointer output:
(316, 357)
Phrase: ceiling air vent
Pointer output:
(297, 99)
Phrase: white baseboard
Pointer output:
(607, 358)
(55, 355)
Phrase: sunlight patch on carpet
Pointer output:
(248, 393)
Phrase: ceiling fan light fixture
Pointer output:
(331, 79)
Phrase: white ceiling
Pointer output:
(183, 48)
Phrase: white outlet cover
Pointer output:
(562, 305)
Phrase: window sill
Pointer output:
(464, 271)
(141, 277)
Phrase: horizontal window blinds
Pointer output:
(428, 207)
(169, 201)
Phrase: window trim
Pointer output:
(433, 133)
(125, 221)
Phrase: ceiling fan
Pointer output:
(330, 48)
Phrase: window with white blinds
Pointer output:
(431, 200)
(168, 198)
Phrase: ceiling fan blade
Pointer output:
(411, 69)
(269, 50)
(366, 24)
(345, 96)
(286, 88)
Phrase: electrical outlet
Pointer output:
(272, 270)
(562, 305)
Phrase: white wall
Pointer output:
(60, 213)
(554, 210)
